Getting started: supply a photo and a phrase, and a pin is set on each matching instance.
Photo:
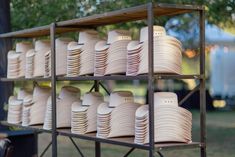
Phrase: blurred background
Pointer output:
(220, 61)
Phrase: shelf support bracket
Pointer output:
(189, 94)
(129, 152)
(76, 146)
(45, 150)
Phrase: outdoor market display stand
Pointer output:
(146, 11)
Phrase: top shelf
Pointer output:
(36, 32)
(114, 17)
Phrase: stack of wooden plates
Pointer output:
(27, 103)
(14, 110)
(35, 106)
(16, 60)
(88, 39)
(110, 56)
(116, 61)
(80, 56)
(41, 47)
(103, 120)
(67, 96)
(104, 112)
(29, 63)
(101, 54)
(171, 122)
(47, 125)
(84, 114)
(141, 124)
(15, 105)
(73, 59)
(122, 121)
(13, 67)
(167, 53)
(61, 53)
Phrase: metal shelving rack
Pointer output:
(147, 11)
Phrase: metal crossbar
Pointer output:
(76, 146)
(106, 90)
(129, 152)
(93, 86)
(160, 154)
(189, 94)
(45, 150)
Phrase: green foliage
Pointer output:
(31, 13)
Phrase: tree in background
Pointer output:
(31, 13)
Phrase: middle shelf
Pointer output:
(112, 77)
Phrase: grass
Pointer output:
(220, 140)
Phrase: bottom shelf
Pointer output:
(38, 128)
(129, 141)
(124, 141)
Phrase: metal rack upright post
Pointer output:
(146, 11)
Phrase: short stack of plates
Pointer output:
(47, 125)
(27, 103)
(141, 124)
(16, 60)
(47, 64)
(103, 120)
(104, 111)
(133, 57)
(84, 114)
(16, 105)
(13, 64)
(167, 53)
(14, 110)
(122, 121)
(73, 59)
(171, 122)
(41, 47)
(38, 108)
(80, 56)
(87, 58)
(29, 63)
(116, 61)
(61, 53)
(101, 54)
(67, 96)
(23, 48)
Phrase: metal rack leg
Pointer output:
(96, 85)
(97, 144)
(53, 91)
(202, 85)
(151, 79)
(97, 149)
